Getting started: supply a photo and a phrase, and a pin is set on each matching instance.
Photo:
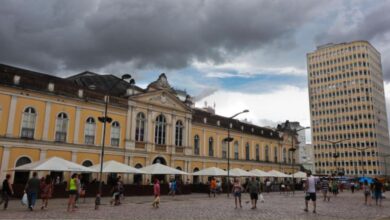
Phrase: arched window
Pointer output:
(284, 155)
(61, 127)
(89, 132)
(224, 149)
(115, 134)
(196, 145)
(247, 151)
(179, 134)
(275, 154)
(211, 147)
(28, 123)
(87, 163)
(21, 177)
(159, 137)
(266, 153)
(140, 127)
(236, 155)
(257, 152)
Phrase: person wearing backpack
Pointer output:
(367, 192)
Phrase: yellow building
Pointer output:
(43, 116)
(348, 111)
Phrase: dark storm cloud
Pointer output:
(77, 35)
(373, 26)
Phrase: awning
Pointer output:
(158, 168)
(54, 164)
(259, 173)
(275, 173)
(113, 166)
(211, 171)
(237, 172)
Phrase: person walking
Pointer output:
(32, 190)
(6, 191)
(46, 191)
(253, 187)
(213, 187)
(156, 192)
(236, 190)
(352, 187)
(325, 189)
(72, 188)
(310, 191)
(378, 188)
(367, 192)
(78, 183)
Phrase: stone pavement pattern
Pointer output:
(199, 206)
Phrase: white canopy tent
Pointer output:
(300, 174)
(157, 169)
(211, 171)
(113, 166)
(237, 172)
(259, 173)
(54, 164)
(275, 173)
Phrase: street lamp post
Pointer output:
(363, 150)
(105, 119)
(230, 139)
(293, 149)
(335, 155)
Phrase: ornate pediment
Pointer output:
(162, 98)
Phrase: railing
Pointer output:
(162, 148)
(140, 145)
(179, 150)
(27, 133)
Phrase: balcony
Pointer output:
(179, 150)
(160, 148)
(140, 145)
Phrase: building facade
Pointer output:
(347, 108)
(43, 116)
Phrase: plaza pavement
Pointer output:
(200, 206)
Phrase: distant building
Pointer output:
(306, 157)
(348, 109)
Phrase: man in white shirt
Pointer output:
(311, 183)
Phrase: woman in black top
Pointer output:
(7, 191)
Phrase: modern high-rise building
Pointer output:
(347, 108)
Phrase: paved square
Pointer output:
(199, 206)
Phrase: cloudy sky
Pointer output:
(236, 54)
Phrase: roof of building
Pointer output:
(199, 116)
(70, 86)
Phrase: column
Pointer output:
(4, 162)
(133, 124)
(77, 125)
(74, 156)
(149, 127)
(128, 124)
(42, 154)
(204, 143)
(47, 121)
(11, 116)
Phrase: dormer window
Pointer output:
(16, 79)
(50, 87)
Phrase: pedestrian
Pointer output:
(6, 191)
(352, 187)
(268, 185)
(32, 190)
(219, 187)
(253, 187)
(79, 188)
(213, 187)
(72, 188)
(156, 192)
(325, 189)
(378, 188)
(115, 193)
(367, 192)
(236, 190)
(335, 187)
(310, 191)
(46, 191)
(121, 189)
